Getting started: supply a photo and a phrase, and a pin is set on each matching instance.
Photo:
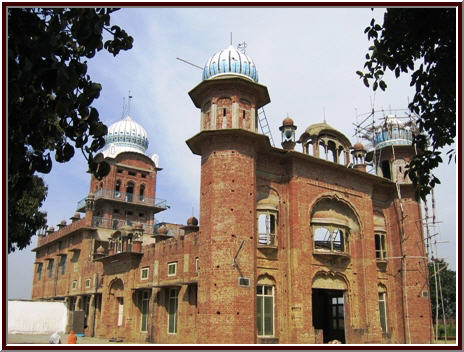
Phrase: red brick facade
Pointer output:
(225, 281)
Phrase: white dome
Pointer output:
(230, 61)
(125, 136)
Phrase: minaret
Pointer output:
(228, 97)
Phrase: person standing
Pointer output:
(72, 337)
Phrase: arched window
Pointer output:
(383, 307)
(267, 213)
(265, 295)
(309, 148)
(341, 156)
(129, 192)
(332, 152)
(141, 193)
(322, 150)
(117, 189)
(329, 238)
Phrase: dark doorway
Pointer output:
(385, 165)
(329, 314)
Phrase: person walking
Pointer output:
(72, 337)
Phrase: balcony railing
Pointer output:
(267, 240)
(125, 197)
(116, 224)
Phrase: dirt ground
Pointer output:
(43, 339)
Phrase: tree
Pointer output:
(407, 42)
(448, 285)
(49, 102)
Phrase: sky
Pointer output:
(307, 57)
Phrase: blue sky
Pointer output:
(307, 57)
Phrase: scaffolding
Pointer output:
(379, 130)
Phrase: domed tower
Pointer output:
(228, 97)
(393, 148)
(125, 196)
(323, 141)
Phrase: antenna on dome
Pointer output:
(242, 47)
(230, 38)
(128, 105)
(323, 110)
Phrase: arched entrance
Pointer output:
(116, 297)
(328, 306)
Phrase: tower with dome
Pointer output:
(296, 244)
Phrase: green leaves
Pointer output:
(406, 38)
(50, 95)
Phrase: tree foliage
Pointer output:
(49, 102)
(421, 42)
(448, 286)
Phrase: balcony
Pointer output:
(158, 204)
(332, 252)
(267, 240)
(117, 224)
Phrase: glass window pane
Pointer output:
(340, 311)
(334, 311)
(341, 324)
(259, 290)
(268, 315)
(268, 290)
(383, 321)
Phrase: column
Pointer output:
(92, 311)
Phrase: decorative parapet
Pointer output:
(78, 224)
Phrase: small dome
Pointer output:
(358, 146)
(100, 250)
(63, 222)
(51, 229)
(192, 221)
(76, 216)
(287, 122)
(230, 61)
(163, 230)
(322, 128)
(125, 135)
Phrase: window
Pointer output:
(117, 189)
(144, 175)
(172, 269)
(385, 167)
(50, 268)
(87, 283)
(144, 273)
(116, 211)
(172, 311)
(144, 309)
(39, 271)
(265, 310)
(267, 228)
(383, 310)
(380, 249)
(142, 191)
(129, 192)
(63, 264)
(132, 173)
(119, 171)
(337, 313)
(197, 265)
(74, 285)
(329, 238)
(224, 111)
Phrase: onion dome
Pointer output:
(77, 215)
(100, 250)
(287, 122)
(192, 221)
(232, 62)
(63, 222)
(358, 146)
(163, 230)
(125, 135)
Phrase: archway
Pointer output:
(328, 306)
(116, 305)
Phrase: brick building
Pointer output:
(292, 246)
